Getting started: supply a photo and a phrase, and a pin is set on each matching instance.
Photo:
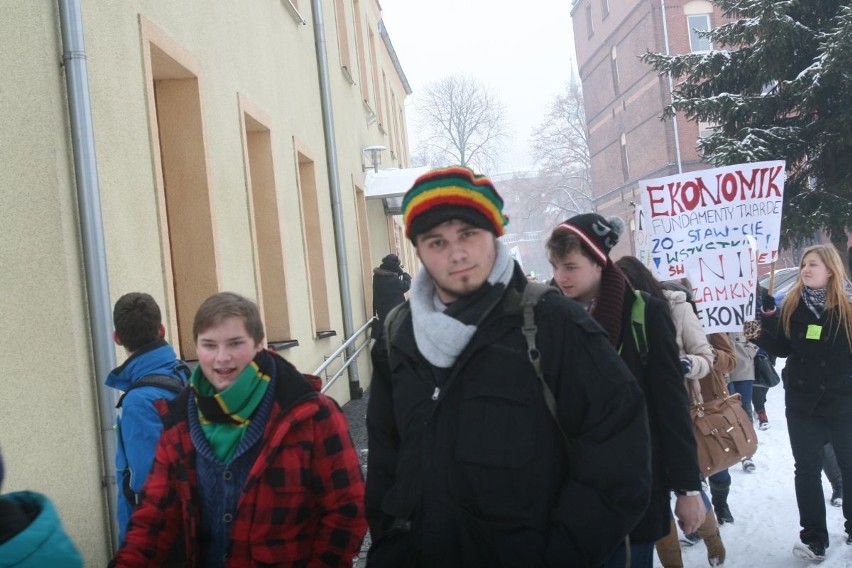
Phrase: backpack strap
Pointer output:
(393, 321)
(160, 381)
(533, 293)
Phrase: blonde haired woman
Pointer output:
(813, 330)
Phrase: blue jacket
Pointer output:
(138, 427)
(43, 542)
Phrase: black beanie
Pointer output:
(598, 235)
(390, 262)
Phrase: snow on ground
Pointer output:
(764, 506)
(763, 503)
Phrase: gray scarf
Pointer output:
(441, 336)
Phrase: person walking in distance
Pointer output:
(390, 283)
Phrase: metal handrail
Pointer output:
(342, 350)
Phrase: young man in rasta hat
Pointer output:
(579, 253)
(467, 466)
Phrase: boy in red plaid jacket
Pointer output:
(254, 466)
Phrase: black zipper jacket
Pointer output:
(475, 473)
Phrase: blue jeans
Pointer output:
(706, 499)
(723, 477)
(745, 390)
(641, 556)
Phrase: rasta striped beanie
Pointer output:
(452, 193)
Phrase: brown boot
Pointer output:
(709, 533)
(668, 549)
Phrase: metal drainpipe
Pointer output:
(334, 188)
(671, 87)
(91, 229)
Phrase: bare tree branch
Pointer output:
(461, 122)
(560, 149)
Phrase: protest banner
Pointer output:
(711, 210)
(641, 239)
(724, 286)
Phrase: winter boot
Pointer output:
(709, 532)
(668, 549)
(763, 421)
(748, 465)
(812, 546)
(837, 495)
(719, 497)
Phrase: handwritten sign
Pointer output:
(724, 284)
(711, 211)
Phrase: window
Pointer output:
(266, 227)
(377, 93)
(613, 57)
(363, 224)
(625, 163)
(360, 48)
(386, 120)
(604, 9)
(309, 197)
(589, 23)
(705, 129)
(699, 23)
(343, 38)
(182, 180)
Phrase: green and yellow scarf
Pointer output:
(225, 416)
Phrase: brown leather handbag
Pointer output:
(724, 433)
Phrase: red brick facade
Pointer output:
(625, 97)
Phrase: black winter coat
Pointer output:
(476, 474)
(818, 373)
(674, 453)
(388, 292)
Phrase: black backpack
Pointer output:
(166, 382)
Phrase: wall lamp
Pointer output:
(374, 157)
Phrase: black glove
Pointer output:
(685, 366)
(769, 303)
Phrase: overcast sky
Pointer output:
(522, 50)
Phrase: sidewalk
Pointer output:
(356, 415)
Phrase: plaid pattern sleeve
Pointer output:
(336, 476)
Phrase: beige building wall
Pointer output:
(48, 428)
(260, 61)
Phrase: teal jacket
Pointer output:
(43, 542)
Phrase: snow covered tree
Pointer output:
(560, 148)
(461, 122)
(778, 86)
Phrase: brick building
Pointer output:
(625, 97)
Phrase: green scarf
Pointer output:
(225, 416)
